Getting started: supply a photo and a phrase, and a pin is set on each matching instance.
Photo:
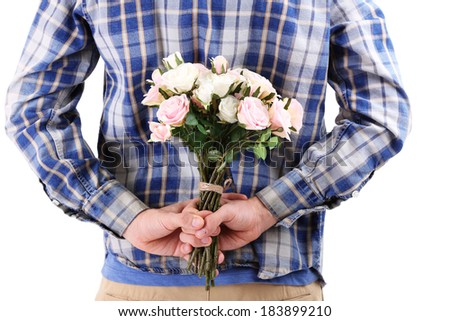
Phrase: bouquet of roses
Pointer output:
(217, 113)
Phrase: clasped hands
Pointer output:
(175, 229)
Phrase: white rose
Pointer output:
(204, 83)
(256, 81)
(202, 69)
(222, 84)
(180, 79)
(173, 60)
(205, 77)
(204, 93)
(228, 109)
(236, 73)
(239, 79)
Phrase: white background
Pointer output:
(398, 226)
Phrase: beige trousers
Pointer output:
(112, 291)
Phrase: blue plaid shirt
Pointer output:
(299, 45)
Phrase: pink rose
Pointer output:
(219, 65)
(156, 76)
(160, 132)
(153, 97)
(173, 111)
(253, 114)
(280, 118)
(295, 109)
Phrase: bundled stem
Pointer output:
(203, 260)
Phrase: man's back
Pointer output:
(300, 46)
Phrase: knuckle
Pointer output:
(185, 219)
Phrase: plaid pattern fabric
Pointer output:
(299, 45)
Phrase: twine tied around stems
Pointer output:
(207, 187)
(203, 260)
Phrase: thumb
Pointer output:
(228, 197)
(187, 221)
(234, 196)
(213, 221)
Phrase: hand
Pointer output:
(243, 221)
(188, 235)
(157, 231)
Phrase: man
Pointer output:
(141, 194)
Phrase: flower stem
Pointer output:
(203, 260)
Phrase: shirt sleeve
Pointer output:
(372, 124)
(42, 119)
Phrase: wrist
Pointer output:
(266, 219)
(134, 225)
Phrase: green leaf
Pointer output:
(229, 90)
(179, 60)
(273, 142)
(205, 122)
(269, 97)
(199, 138)
(229, 157)
(286, 107)
(247, 92)
(237, 134)
(265, 135)
(257, 91)
(215, 99)
(176, 131)
(216, 130)
(201, 129)
(191, 120)
(163, 93)
(213, 67)
(260, 151)
(238, 87)
(214, 155)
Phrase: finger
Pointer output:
(197, 222)
(233, 197)
(216, 232)
(193, 231)
(194, 241)
(190, 205)
(194, 211)
(176, 207)
(186, 249)
(213, 221)
(220, 261)
(221, 257)
(228, 242)
(173, 221)
(229, 197)
(203, 213)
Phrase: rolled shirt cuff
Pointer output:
(114, 207)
